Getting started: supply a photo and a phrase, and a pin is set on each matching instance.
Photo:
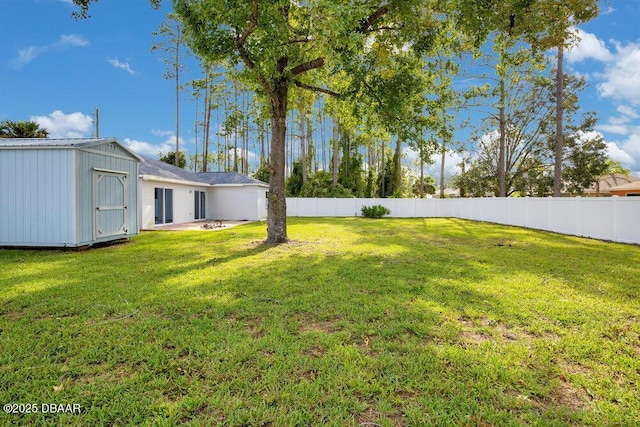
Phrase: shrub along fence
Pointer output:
(606, 218)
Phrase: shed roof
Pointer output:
(159, 169)
(61, 143)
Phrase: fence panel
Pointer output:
(627, 219)
(610, 218)
(563, 215)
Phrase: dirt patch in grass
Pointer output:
(363, 345)
(372, 418)
(318, 327)
(482, 330)
(105, 374)
(255, 331)
(571, 396)
(315, 351)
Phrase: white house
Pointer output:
(67, 192)
(171, 195)
(78, 192)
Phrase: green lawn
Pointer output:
(357, 322)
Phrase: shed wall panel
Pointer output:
(36, 197)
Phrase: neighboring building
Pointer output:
(604, 185)
(171, 195)
(67, 192)
(631, 189)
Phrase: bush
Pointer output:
(376, 211)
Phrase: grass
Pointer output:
(357, 322)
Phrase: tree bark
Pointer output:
(177, 158)
(557, 170)
(502, 191)
(442, 159)
(398, 166)
(277, 207)
(336, 150)
(382, 186)
(303, 148)
(421, 174)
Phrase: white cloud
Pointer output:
(154, 149)
(30, 53)
(619, 80)
(61, 125)
(626, 152)
(160, 132)
(121, 65)
(451, 163)
(616, 153)
(146, 148)
(628, 111)
(588, 47)
(622, 74)
(617, 128)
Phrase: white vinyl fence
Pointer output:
(606, 218)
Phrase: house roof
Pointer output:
(230, 178)
(164, 170)
(635, 185)
(611, 180)
(62, 143)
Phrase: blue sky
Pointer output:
(55, 70)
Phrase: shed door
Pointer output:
(110, 195)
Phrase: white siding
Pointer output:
(183, 202)
(36, 197)
(237, 203)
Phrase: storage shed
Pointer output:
(67, 192)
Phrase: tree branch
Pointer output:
(253, 23)
(311, 65)
(366, 24)
(316, 89)
(244, 55)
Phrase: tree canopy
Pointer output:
(22, 129)
(371, 55)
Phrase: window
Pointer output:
(199, 205)
(163, 205)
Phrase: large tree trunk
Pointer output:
(502, 188)
(557, 172)
(399, 166)
(277, 207)
(336, 150)
(443, 155)
(303, 148)
(421, 173)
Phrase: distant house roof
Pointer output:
(609, 181)
(632, 187)
(61, 143)
(159, 169)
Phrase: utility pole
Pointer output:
(97, 121)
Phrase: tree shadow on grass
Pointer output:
(361, 333)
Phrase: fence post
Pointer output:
(614, 217)
(578, 217)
